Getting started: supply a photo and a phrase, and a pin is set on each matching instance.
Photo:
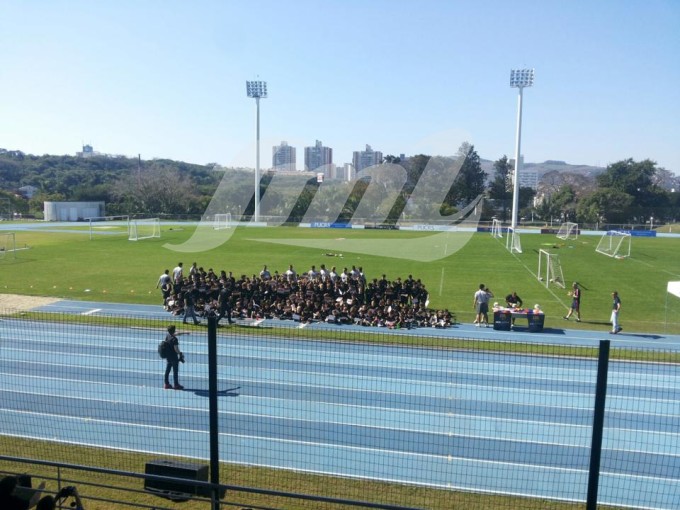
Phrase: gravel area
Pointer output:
(18, 302)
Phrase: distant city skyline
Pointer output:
(167, 80)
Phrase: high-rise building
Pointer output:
(283, 157)
(527, 178)
(366, 158)
(344, 172)
(318, 156)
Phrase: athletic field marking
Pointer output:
(90, 312)
(653, 267)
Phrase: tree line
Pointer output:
(626, 192)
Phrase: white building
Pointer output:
(72, 211)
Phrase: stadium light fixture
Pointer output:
(257, 90)
(519, 78)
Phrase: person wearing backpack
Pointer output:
(173, 357)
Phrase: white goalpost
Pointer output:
(496, 229)
(550, 269)
(8, 245)
(568, 231)
(222, 221)
(109, 225)
(512, 242)
(146, 228)
(672, 307)
(614, 244)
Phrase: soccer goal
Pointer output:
(109, 226)
(8, 245)
(672, 324)
(144, 229)
(5, 209)
(496, 229)
(222, 221)
(568, 231)
(614, 244)
(550, 269)
(512, 242)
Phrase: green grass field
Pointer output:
(111, 268)
(114, 269)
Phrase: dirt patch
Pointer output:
(18, 302)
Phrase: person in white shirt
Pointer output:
(177, 273)
(265, 274)
(481, 305)
(291, 275)
(164, 278)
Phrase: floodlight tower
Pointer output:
(519, 78)
(257, 89)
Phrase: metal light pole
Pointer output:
(257, 89)
(519, 78)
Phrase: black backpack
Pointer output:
(163, 349)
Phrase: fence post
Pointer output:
(214, 422)
(598, 425)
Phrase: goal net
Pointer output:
(568, 231)
(672, 321)
(5, 209)
(550, 269)
(8, 245)
(614, 244)
(222, 221)
(109, 226)
(144, 229)
(513, 242)
(496, 229)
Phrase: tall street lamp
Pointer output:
(519, 78)
(257, 89)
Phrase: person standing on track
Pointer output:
(224, 303)
(190, 296)
(173, 358)
(616, 307)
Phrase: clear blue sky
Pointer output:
(166, 78)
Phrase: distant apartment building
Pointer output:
(318, 156)
(345, 172)
(283, 158)
(366, 158)
(527, 178)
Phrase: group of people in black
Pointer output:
(317, 295)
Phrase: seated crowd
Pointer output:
(318, 295)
